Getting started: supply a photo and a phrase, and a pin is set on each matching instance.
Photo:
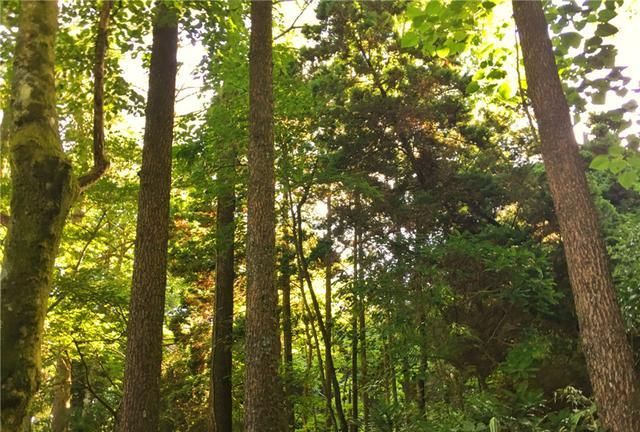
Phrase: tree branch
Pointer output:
(100, 162)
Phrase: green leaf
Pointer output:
(628, 178)
(488, 5)
(494, 426)
(505, 90)
(433, 8)
(442, 52)
(617, 165)
(472, 87)
(600, 163)
(607, 15)
(630, 105)
(409, 40)
(615, 150)
(414, 10)
(599, 98)
(606, 29)
(571, 39)
(634, 161)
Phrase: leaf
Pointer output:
(433, 8)
(600, 163)
(634, 161)
(409, 40)
(606, 29)
(599, 98)
(414, 10)
(488, 5)
(472, 87)
(630, 106)
(505, 90)
(494, 426)
(571, 39)
(607, 15)
(628, 178)
(617, 165)
(615, 150)
(442, 52)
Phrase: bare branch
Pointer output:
(100, 162)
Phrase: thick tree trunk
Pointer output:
(607, 351)
(61, 407)
(221, 400)
(263, 391)
(140, 409)
(43, 190)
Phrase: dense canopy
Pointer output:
(349, 216)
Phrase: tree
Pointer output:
(263, 410)
(44, 188)
(141, 399)
(223, 326)
(607, 351)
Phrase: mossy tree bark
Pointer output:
(140, 408)
(606, 348)
(43, 190)
(221, 398)
(263, 392)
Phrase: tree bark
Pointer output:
(286, 272)
(61, 407)
(354, 329)
(43, 190)
(263, 391)
(221, 399)
(327, 308)
(140, 409)
(607, 351)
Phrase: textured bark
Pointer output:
(43, 190)
(286, 271)
(607, 351)
(141, 398)
(263, 392)
(61, 407)
(221, 399)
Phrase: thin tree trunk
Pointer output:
(327, 306)
(287, 334)
(61, 407)
(221, 370)
(606, 348)
(354, 329)
(362, 336)
(140, 409)
(297, 235)
(43, 190)
(263, 392)
(326, 380)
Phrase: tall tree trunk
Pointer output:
(263, 398)
(140, 409)
(221, 399)
(302, 263)
(362, 336)
(607, 351)
(61, 407)
(327, 306)
(287, 334)
(43, 190)
(354, 328)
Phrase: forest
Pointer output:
(322, 216)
